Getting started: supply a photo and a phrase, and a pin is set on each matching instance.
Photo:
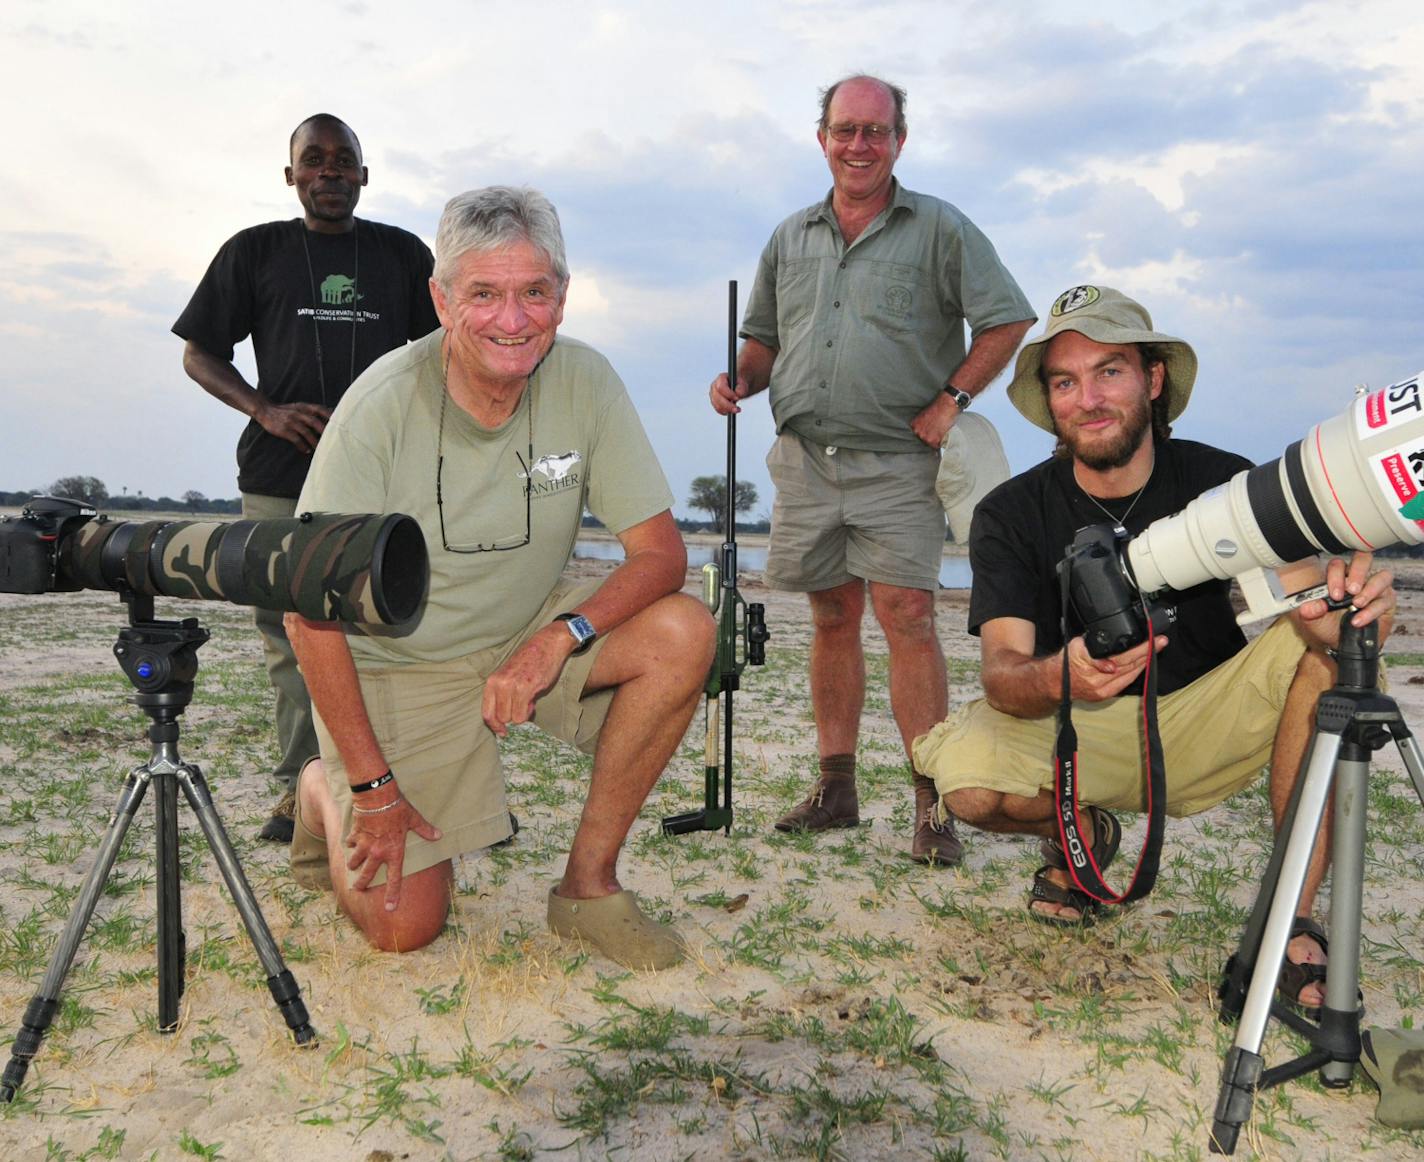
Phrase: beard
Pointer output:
(1106, 453)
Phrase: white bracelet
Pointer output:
(396, 802)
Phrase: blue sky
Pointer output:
(1252, 172)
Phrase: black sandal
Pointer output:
(1107, 836)
(1294, 978)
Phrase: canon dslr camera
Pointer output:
(1114, 613)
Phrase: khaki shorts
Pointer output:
(842, 513)
(1216, 736)
(426, 716)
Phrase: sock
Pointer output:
(838, 767)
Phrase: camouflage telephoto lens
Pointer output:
(364, 568)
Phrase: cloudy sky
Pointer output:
(1252, 171)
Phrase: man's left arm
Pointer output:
(988, 354)
(654, 565)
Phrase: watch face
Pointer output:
(581, 628)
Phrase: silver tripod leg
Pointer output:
(1315, 791)
(1413, 762)
(1347, 895)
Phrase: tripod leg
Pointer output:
(280, 982)
(1413, 759)
(1244, 1065)
(1237, 974)
(1340, 1017)
(171, 951)
(39, 1014)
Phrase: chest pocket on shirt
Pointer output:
(895, 297)
(795, 297)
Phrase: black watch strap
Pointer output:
(962, 398)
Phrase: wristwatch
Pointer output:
(580, 628)
(962, 398)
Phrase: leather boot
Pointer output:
(934, 843)
(832, 803)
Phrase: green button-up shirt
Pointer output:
(866, 335)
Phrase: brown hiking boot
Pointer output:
(278, 828)
(831, 803)
(934, 842)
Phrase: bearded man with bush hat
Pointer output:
(1108, 385)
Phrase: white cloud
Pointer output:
(1251, 170)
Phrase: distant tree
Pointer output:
(195, 499)
(89, 488)
(709, 493)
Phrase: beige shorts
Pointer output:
(426, 716)
(1216, 737)
(842, 513)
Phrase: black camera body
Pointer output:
(1115, 614)
(30, 542)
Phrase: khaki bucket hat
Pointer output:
(1104, 315)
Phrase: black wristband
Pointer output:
(380, 781)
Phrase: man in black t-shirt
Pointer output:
(322, 297)
(1108, 386)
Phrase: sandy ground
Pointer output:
(841, 1001)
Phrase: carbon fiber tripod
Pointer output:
(160, 659)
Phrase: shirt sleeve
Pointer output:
(980, 288)
(626, 483)
(346, 475)
(1005, 571)
(219, 315)
(759, 322)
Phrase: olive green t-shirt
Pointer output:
(379, 454)
(867, 335)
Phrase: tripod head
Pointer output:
(159, 658)
(1358, 653)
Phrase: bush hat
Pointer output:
(1104, 315)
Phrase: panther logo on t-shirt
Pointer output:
(558, 470)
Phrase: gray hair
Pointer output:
(897, 94)
(494, 218)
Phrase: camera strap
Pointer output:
(1077, 850)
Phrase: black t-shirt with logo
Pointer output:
(365, 293)
(1022, 529)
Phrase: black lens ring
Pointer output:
(232, 556)
(1267, 497)
(384, 597)
(1300, 489)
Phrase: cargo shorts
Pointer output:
(1217, 734)
(426, 716)
(844, 513)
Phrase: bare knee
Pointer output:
(1315, 671)
(684, 633)
(838, 610)
(975, 805)
(906, 615)
(418, 919)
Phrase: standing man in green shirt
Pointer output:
(856, 324)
